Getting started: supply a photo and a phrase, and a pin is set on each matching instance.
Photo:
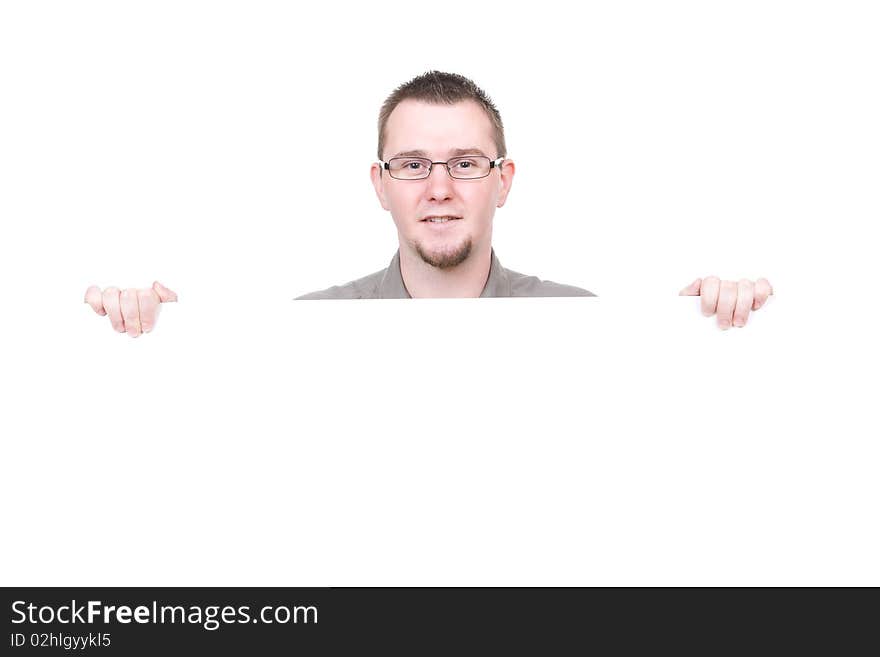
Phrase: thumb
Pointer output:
(165, 295)
(692, 290)
(93, 298)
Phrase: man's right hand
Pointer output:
(133, 310)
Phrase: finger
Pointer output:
(165, 295)
(691, 290)
(129, 305)
(110, 301)
(726, 303)
(709, 295)
(93, 298)
(762, 291)
(745, 294)
(148, 308)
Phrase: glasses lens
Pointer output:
(409, 168)
(470, 166)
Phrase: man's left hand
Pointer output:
(731, 301)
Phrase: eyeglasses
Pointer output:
(469, 167)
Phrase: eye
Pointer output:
(413, 165)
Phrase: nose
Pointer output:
(440, 185)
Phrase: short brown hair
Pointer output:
(442, 89)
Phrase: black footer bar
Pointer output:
(317, 621)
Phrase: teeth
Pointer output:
(439, 220)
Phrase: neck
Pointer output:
(465, 280)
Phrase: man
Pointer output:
(442, 172)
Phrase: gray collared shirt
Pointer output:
(388, 284)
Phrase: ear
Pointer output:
(508, 169)
(379, 183)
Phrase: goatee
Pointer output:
(446, 258)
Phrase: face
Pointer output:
(440, 219)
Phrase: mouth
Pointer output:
(439, 219)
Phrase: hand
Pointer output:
(133, 311)
(730, 300)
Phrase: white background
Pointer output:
(224, 148)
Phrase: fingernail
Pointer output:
(738, 323)
(724, 324)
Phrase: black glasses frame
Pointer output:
(492, 165)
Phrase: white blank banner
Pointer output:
(528, 441)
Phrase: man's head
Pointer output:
(438, 117)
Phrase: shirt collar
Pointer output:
(391, 286)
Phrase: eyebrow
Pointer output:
(455, 152)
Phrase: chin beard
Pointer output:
(446, 258)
